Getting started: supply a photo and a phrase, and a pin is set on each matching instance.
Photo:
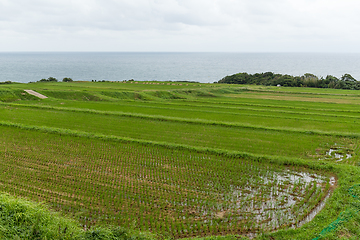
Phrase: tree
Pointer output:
(67, 79)
(50, 79)
(348, 78)
(310, 76)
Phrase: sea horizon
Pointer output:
(204, 67)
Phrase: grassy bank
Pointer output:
(23, 219)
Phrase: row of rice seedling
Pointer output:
(283, 103)
(302, 97)
(335, 118)
(170, 191)
(240, 99)
(270, 118)
(252, 139)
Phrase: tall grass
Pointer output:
(23, 219)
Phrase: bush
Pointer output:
(6, 82)
(67, 79)
(50, 79)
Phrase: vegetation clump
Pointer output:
(50, 79)
(22, 219)
(67, 79)
(307, 80)
(6, 82)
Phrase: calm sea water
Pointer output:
(201, 67)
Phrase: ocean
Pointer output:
(200, 67)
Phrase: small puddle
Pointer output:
(337, 153)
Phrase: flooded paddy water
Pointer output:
(337, 154)
(334, 152)
(280, 199)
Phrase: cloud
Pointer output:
(220, 25)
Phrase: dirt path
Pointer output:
(35, 94)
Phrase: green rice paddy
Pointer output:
(186, 159)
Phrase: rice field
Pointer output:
(170, 191)
(189, 160)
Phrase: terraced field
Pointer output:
(186, 159)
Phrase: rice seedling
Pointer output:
(183, 160)
(118, 183)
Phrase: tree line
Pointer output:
(307, 80)
(52, 79)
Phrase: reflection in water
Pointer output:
(338, 154)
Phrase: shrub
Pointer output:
(67, 79)
(50, 79)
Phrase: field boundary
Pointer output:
(192, 121)
(270, 159)
(261, 105)
(343, 217)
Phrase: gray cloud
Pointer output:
(180, 25)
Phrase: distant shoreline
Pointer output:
(204, 67)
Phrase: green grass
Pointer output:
(237, 138)
(213, 126)
(23, 219)
(217, 113)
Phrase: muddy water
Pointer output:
(334, 153)
(310, 216)
(318, 208)
(285, 202)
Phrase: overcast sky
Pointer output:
(180, 25)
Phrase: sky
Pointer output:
(180, 25)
